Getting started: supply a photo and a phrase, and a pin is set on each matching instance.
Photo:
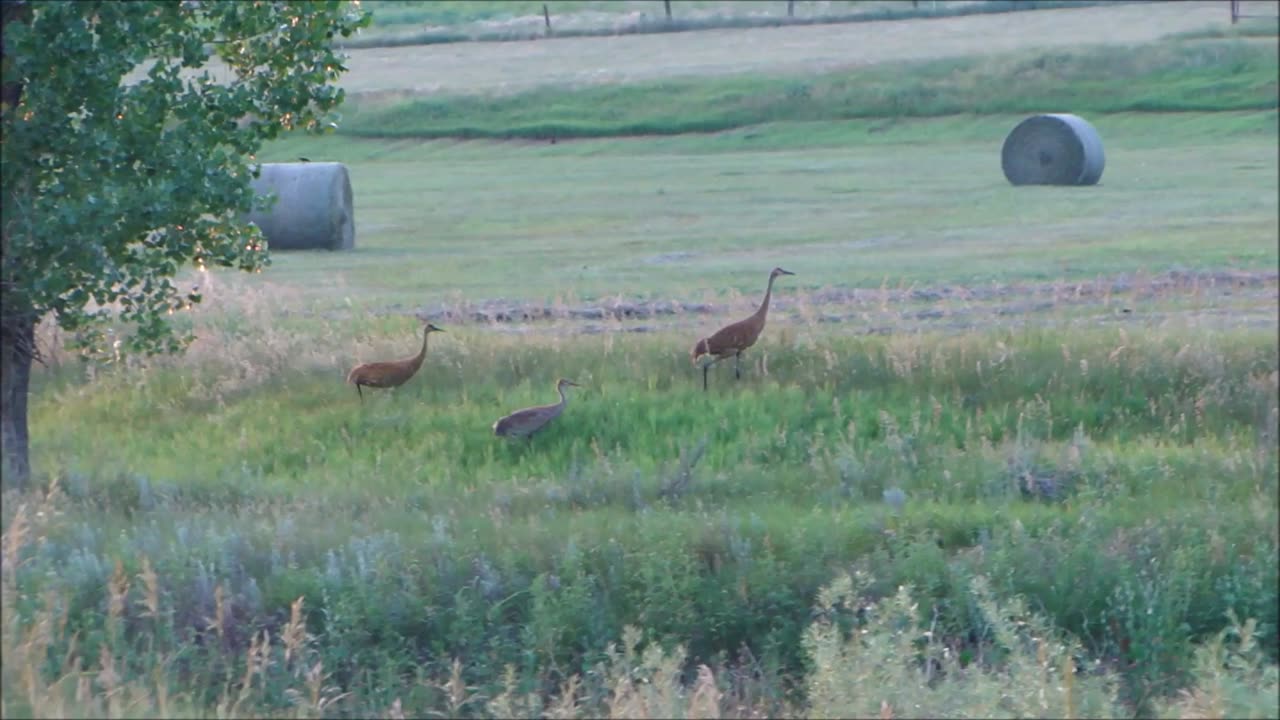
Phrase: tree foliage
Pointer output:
(131, 148)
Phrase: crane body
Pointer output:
(524, 423)
(734, 338)
(393, 373)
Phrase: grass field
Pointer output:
(401, 23)
(1024, 440)
(844, 204)
(788, 51)
(1185, 76)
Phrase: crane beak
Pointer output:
(785, 272)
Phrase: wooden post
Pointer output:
(667, 5)
(546, 16)
(1235, 11)
(791, 8)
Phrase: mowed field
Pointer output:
(1023, 440)
(694, 219)
(507, 67)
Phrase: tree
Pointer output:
(130, 130)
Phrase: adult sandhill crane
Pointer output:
(734, 338)
(524, 423)
(390, 374)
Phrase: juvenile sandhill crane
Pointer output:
(734, 338)
(390, 374)
(524, 423)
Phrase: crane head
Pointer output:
(699, 350)
(566, 383)
(779, 271)
(431, 327)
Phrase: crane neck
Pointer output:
(764, 304)
(422, 354)
(564, 400)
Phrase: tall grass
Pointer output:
(869, 656)
(233, 530)
(1168, 77)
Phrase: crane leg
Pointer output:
(359, 392)
(705, 368)
(737, 366)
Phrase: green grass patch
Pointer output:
(856, 204)
(1248, 27)
(1038, 460)
(1169, 77)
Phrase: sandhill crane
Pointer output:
(734, 338)
(390, 374)
(524, 423)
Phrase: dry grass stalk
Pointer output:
(457, 693)
(257, 657)
(218, 622)
(117, 595)
(705, 701)
(151, 585)
(566, 706)
(14, 539)
(294, 635)
(109, 680)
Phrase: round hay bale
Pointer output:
(1055, 149)
(313, 210)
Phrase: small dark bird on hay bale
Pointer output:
(304, 159)
(524, 423)
(393, 373)
(734, 338)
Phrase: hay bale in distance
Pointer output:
(1054, 149)
(314, 208)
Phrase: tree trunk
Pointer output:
(17, 328)
(17, 349)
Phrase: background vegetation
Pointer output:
(400, 22)
(1023, 440)
(1187, 76)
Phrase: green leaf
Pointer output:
(113, 180)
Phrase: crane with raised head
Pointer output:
(732, 339)
(393, 373)
(524, 423)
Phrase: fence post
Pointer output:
(667, 5)
(1235, 11)
(791, 8)
(546, 16)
